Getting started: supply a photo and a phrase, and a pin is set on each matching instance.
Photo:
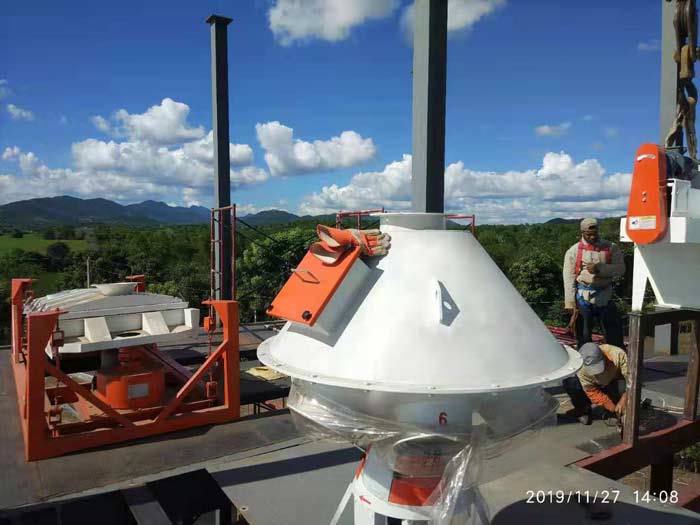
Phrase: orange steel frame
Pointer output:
(45, 436)
(358, 214)
(470, 217)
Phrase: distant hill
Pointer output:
(51, 211)
(558, 220)
(37, 214)
(161, 212)
(270, 217)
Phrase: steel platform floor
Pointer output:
(302, 483)
(273, 475)
(23, 483)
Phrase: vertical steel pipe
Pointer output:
(222, 160)
(669, 70)
(429, 92)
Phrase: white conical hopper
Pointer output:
(435, 315)
(421, 353)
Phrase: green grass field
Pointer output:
(33, 242)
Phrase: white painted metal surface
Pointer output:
(94, 321)
(115, 288)
(431, 340)
(434, 315)
(671, 265)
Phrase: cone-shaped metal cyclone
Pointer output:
(435, 314)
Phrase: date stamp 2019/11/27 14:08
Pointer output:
(598, 496)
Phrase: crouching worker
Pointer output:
(598, 382)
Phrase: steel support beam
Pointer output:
(429, 91)
(669, 87)
(692, 381)
(222, 161)
(621, 460)
(661, 476)
(635, 356)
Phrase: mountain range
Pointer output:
(38, 214)
(51, 211)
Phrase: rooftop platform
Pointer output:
(271, 474)
(280, 477)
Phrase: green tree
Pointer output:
(166, 288)
(65, 232)
(537, 277)
(13, 264)
(265, 267)
(58, 255)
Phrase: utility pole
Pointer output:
(669, 70)
(223, 248)
(429, 92)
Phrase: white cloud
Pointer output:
(203, 150)
(102, 124)
(588, 118)
(560, 187)
(140, 167)
(331, 20)
(10, 153)
(116, 171)
(553, 130)
(18, 113)
(390, 187)
(653, 44)
(162, 124)
(191, 197)
(38, 180)
(249, 209)
(4, 89)
(461, 14)
(611, 132)
(183, 166)
(286, 155)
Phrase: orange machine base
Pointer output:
(46, 433)
(123, 389)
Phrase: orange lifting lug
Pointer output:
(209, 324)
(211, 389)
(55, 415)
(57, 339)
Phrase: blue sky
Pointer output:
(547, 103)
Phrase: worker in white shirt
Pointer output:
(590, 266)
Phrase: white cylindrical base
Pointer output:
(374, 497)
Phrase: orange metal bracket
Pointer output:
(19, 288)
(140, 281)
(46, 436)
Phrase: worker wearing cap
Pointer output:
(590, 266)
(598, 381)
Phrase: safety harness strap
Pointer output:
(605, 250)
